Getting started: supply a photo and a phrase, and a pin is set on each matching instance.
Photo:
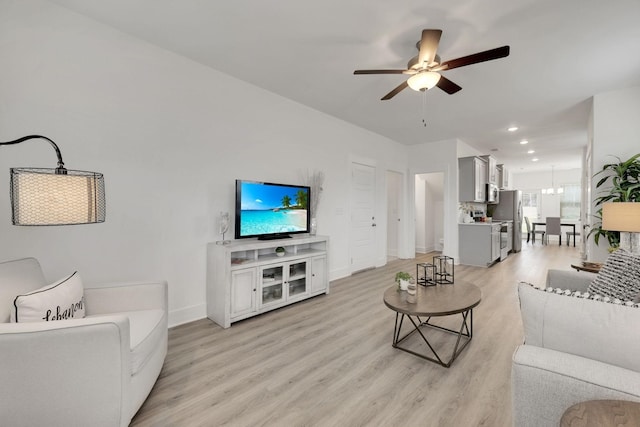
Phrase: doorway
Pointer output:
(429, 217)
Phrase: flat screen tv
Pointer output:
(271, 211)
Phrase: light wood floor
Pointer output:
(328, 361)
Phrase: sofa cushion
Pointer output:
(146, 330)
(619, 277)
(60, 300)
(581, 326)
(17, 277)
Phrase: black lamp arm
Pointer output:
(60, 169)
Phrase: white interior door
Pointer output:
(363, 220)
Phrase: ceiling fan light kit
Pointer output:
(423, 69)
(424, 80)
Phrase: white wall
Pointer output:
(439, 157)
(171, 136)
(616, 132)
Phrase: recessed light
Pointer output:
(512, 128)
(535, 159)
(523, 142)
(531, 151)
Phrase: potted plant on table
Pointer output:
(623, 178)
(403, 278)
(280, 251)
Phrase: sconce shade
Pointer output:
(49, 197)
(621, 216)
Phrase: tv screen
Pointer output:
(271, 211)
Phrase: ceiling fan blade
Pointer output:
(447, 85)
(428, 46)
(379, 71)
(487, 55)
(396, 91)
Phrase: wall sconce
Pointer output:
(625, 218)
(55, 196)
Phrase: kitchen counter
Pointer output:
(483, 223)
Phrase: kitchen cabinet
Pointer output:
(503, 177)
(479, 243)
(472, 179)
(492, 170)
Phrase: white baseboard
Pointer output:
(426, 249)
(187, 314)
(338, 274)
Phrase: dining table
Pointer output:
(562, 224)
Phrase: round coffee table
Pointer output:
(602, 413)
(433, 301)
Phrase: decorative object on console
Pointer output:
(55, 196)
(443, 271)
(280, 251)
(314, 181)
(223, 227)
(625, 218)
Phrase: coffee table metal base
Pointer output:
(464, 336)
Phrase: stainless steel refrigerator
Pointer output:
(510, 209)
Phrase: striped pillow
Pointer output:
(619, 277)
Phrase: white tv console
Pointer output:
(246, 277)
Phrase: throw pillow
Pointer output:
(585, 325)
(619, 277)
(60, 300)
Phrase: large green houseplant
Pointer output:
(621, 183)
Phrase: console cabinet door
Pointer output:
(297, 279)
(243, 292)
(318, 274)
(272, 285)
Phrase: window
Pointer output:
(570, 202)
(530, 207)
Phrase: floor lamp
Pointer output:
(55, 196)
(625, 218)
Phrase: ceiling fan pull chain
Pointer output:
(424, 108)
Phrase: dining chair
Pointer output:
(553, 228)
(574, 234)
(530, 233)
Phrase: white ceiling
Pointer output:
(562, 53)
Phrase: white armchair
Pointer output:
(95, 371)
(575, 350)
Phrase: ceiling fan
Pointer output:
(424, 68)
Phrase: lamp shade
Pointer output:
(621, 216)
(48, 197)
(423, 80)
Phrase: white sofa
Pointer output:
(574, 350)
(94, 371)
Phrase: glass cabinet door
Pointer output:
(297, 280)
(272, 285)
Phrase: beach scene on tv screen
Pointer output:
(267, 209)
